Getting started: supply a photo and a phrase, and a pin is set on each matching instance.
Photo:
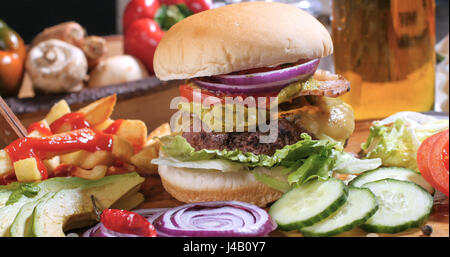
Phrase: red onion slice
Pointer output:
(215, 219)
(100, 230)
(262, 82)
(297, 72)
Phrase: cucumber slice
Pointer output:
(402, 205)
(360, 206)
(394, 173)
(309, 203)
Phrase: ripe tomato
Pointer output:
(141, 39)
(137, 9)
(198, 5)
(209, 98)
(171, 2)
(432, 161)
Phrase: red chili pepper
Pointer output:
(127, 222)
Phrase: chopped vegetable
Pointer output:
(359, 207)
(397, 138)
(391, 172)
(432, 160)
(215, 219)
(308, 204)
(301, 162)
(402, 205)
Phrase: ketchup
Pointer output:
(46, 147)
(113, 128)
(75, 119)
(40, 127)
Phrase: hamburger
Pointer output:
(269, 53)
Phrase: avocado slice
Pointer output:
(21, 224)
(9, 212)
(72, 208)
(129, 202)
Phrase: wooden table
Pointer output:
(157, 197)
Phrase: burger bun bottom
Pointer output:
(200, 185)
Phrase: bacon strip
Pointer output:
(330, 85)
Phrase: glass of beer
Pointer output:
(386, 49)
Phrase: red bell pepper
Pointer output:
(12, 59)
(144, 23)
(141, 39)
(138, 9)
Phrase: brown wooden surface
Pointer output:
(157, 197)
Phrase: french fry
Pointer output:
(52, 164)
(88, 160)
(122, 149)
(104, 125)
(142, 160)
(27, 170)
(97, 172)
(162, 130)
(134, 131)
(100, 110)
(58, 110)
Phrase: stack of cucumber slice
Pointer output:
(385, 200)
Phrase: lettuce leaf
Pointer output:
(303, 161)
(396, 140)
(348, 164)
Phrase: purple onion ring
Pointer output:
(294, 72)
(215, 219)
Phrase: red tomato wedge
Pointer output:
(432, 161)
(209, 98)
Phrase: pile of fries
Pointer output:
(132, 149)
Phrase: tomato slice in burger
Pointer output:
(432, 161)
(209, 98)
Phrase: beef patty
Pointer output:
(288, 134)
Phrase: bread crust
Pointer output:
(195, 185)
(239, 37)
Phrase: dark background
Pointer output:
(29, 17)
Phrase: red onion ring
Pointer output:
(262, 82)
(296, 72)
(215, 219)
(100, 230)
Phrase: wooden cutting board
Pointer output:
(157, 197)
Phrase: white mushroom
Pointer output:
(117, 69)
(56, 66)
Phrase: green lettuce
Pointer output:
(396, 143)
(300, 162)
